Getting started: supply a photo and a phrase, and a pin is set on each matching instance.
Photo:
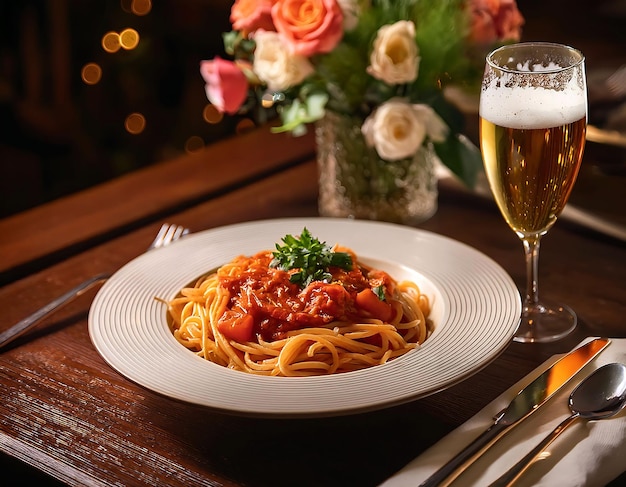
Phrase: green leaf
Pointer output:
(462, 158)
(310, 258)
(238, 46)
(380, 292)
(298, 114)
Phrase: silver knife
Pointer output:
(523, 405)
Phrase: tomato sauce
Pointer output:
(277, 305)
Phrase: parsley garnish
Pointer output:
(380, 292)
(311, 257)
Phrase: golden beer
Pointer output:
(532, 128)
(532, 171)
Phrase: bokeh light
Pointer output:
(194, 144)
(91, 73)
(141, 7)
(136, 7)
(211, 114)
(267, 100)
(129, 38)
(135, 123)
(244, 125)
(111, 42)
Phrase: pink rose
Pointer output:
(495, 20)
(226, 85)
(251, 15)
(308, 26)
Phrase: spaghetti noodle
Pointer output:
(251, 316)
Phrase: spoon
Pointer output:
(601, 395)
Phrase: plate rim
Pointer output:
(107, 342)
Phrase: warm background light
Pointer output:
(129, 38)
(136, 7)
(135, 123)
(244, 125)
(211, 114)
(267, 100)
(194, 144)
(91, 73)
(141, 7)
(111, 42)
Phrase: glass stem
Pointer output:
(531, 251)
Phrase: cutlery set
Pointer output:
(600, 395)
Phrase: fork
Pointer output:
(167, 234)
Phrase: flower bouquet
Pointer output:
(371, 75)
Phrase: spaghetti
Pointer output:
(250, 316)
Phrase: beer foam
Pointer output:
(529, 107)
(526, 67)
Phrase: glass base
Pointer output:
(542, 323)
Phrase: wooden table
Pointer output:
(66, 413)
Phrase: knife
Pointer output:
(523, 405)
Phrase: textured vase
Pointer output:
(355, 182)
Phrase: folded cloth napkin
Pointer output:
(588, 453)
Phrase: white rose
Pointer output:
(394, 57)
(396, 129)
(278, 68)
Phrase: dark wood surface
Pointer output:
(52, 231)
(66, 415)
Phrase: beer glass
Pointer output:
(533, 121)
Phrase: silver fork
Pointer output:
(168, 233)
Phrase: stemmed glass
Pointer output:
(533, 121)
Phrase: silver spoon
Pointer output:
(601, 395)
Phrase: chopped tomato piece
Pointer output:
(236, 327)
(368, 301)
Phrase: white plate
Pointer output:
(476, 309)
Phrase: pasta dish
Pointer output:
(303, 309)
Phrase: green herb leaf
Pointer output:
(380, 292)
(310, 257)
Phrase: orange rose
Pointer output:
(495, 20)
(308, 26)
(251, 15)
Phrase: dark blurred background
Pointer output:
(61, 131)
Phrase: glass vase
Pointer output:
(355, 182)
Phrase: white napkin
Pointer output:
(588, 453)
